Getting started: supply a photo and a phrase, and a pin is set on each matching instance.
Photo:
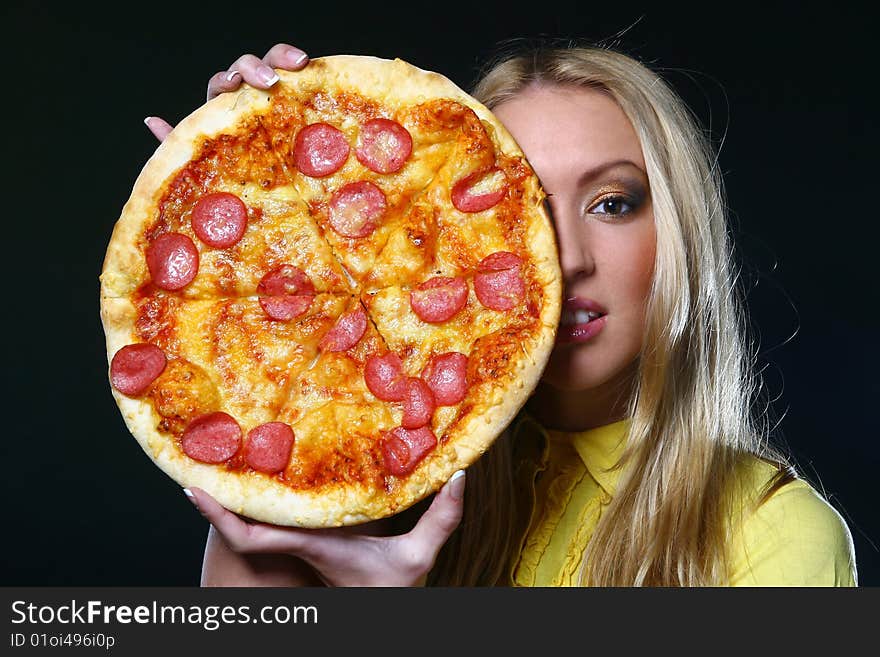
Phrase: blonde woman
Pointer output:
(637, 462)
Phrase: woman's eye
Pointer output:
(613, 205)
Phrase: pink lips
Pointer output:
(581, 331)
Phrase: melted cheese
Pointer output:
(279, 229)
(250, 360)
(225, 354)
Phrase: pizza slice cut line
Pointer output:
(393, 442)
(196, 237)
(413, 199)
(339, 243)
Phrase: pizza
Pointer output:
(322, 300)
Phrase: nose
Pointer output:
(575, 254)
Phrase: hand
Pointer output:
(347, 556)
(247, 68)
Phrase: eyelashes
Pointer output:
(608, 204)
(617, 205)
(616, 199)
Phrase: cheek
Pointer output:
(644, 272)
(633, 267)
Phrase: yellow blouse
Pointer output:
(795, 538)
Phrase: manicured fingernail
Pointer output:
(147, 121)
(191, 498)
(456, 485)
(267, 75)
(231, 75)
(295, 55)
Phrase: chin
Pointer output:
(576, 369)
(572, 371)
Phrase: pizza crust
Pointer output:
(392, 82)
(263, 497)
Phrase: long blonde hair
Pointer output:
(669, 523)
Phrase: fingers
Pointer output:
(439, 521)
(223, 81)
(254, 71)
(283, 55)
(244, 537)
(343, 557)
(159, 127)
(247, 68)
(257, 72)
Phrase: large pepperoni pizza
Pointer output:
(322, 300)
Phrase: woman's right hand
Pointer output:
(247, 68)
(347, 556)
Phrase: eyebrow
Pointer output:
(589, 174)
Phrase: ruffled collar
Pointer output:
(600, 449)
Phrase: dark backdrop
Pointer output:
(785, 89)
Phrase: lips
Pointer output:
(581, 319)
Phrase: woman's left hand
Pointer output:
(247, 68)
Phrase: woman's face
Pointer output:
(590, 163)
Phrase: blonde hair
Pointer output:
(670, 520)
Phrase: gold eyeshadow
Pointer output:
(630, 191)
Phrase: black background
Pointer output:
(786, 88)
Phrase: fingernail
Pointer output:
(147, 121)
(456, 485)
(300, 59)
(231, 75)
(267, 75)
(191, 498)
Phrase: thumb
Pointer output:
(442, 517)
(248, 538)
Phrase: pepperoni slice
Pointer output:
(418, 405)
(173, 261)
(212, 438)
(385, 378)
(479, 191)
(346, 333)
(286, 292)
(219, 219)
(499, 284)
(285, 280)
(383, 146)
(135, 366)
(268, 447)
(356, 208)
(402, 449)
(438, 299)
(445, 375)
(320, 149)
(285, 308)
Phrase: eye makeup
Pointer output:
(630, 191)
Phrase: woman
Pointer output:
(636, 461)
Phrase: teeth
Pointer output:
(578, 317)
